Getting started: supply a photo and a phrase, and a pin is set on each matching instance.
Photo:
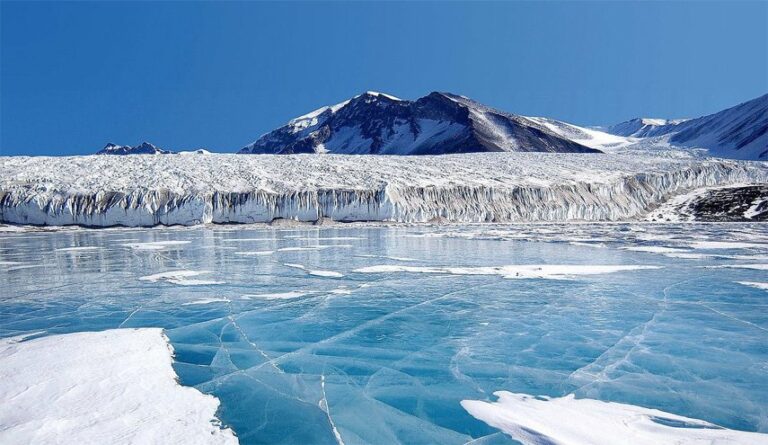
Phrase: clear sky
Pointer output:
(183, 75)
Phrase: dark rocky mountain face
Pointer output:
(747, 203)
(145, 148)
(439, 123)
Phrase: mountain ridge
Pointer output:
(438, 123)
(738, 132)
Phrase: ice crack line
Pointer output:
(636, 338)
(324, 406)
(732, 317)
(369, 323)
(254, 345)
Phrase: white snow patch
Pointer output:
(570, 421)
(763, 286)
(528, 271)
(180, 277)
(155, 245)
(208, 301)
(656, 249)
(752, 211)
(316, 272)
(78, 249)
(256, 253)
(115, 386)
(385, 257)
(238, 240)
(307, 248)
(740, 266)
(276, 296)
(726, 245)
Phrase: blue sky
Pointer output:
(183, 75)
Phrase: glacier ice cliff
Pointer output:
(481, 187)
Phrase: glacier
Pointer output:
(102, 191)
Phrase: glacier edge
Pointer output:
(461, 189)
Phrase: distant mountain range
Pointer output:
(444, 123)
(145, 148)
(739, 132)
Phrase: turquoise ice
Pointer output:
(375, 334)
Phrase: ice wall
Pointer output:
(465, 188)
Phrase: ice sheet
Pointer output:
(405, 348)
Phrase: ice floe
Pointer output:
(114, 386)
(570, 421)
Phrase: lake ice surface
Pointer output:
(377, 334)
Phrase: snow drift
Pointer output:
(570, 421)
(480, 187)
(116, 386)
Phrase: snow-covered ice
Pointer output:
(156, 245)
(180, 277)
(115, 386)
(570, 421)
(316, 272)
(522, 271)
(757, 285)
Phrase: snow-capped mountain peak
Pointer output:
(438, 123)
(377, 94)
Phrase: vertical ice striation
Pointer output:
(492, 187)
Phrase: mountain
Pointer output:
(739, 132)
(642, 127)
(439, 123)
(145, 148)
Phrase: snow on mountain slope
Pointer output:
(145, 148)
(439, 123)
(739, 132)
(642, 127)
(585, 136)
(475, 187)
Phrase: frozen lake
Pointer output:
(376, 334)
